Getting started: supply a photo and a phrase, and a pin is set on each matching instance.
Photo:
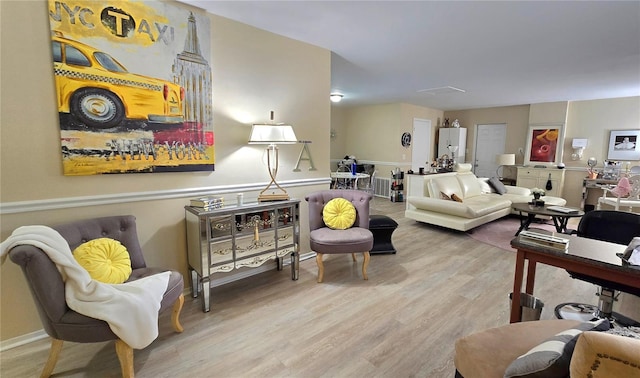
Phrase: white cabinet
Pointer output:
(455, 137)
(529, 177)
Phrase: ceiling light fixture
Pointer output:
(336, 97)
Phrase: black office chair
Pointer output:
(612, 226)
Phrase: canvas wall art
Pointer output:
(133, 84)
(544, 144)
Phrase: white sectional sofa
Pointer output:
(480, 203)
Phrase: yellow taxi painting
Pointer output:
(99, 92)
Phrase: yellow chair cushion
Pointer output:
(105, 259)
(339, 214)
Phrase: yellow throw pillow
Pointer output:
(105, 259)
(339, 214)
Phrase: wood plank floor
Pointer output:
(402, 322)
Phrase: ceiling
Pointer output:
(499, 53)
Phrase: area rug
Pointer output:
(500, 232)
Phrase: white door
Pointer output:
(490, 142)
(421, 144)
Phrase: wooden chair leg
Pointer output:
(175, 315)
(353, 255)
(320, 267)
(54, 353)
(125, 355)
(365, 263)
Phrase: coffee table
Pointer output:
(559, 219)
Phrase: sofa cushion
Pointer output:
(487, 353)
(471, 208)
(469, 184)
(484, 185)
(497, 185)
(447, 185)
(462, 167)
(599, 354)
(552, 357)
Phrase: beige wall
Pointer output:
(245, 88)
(515, 117)
(592, 119)
(372, 133)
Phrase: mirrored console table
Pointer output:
(236, 237)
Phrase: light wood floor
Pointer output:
(402, 322)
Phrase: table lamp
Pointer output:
(504, 159)
(272, 135)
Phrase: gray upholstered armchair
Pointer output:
(48, 288)
(356, 239)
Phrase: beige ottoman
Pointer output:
(488, 353)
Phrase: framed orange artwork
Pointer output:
(544, 144)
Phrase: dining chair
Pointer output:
(627, 202)
(341, 182)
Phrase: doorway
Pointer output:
(421, 146)
(490, 142)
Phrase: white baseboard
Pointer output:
(22, 340)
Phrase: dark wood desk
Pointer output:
(587, 256)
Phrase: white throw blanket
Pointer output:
(131, 309)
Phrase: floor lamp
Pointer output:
(272, 135)
(504, 159)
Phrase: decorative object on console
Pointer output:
(272, 134)
(455, 123)
(453, 150)
(592, 162)
(504, 160)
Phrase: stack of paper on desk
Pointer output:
(560, 209)
(543, 240)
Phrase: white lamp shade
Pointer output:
(506, 159)
(272, 134)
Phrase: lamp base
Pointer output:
(273, 197)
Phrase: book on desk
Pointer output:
(544, 240)
(562, 209)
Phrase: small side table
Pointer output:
(559, 219)
(382, 227)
